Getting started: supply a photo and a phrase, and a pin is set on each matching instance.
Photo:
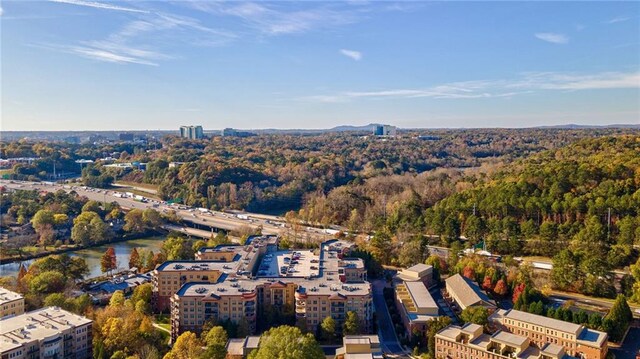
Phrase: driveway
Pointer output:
(386, 330)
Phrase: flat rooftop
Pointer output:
(287, 264)
(509, 338)
(546, 322)
(420, 295)
(313, 274)
(36, 325)
(8, 296)
(592, 337)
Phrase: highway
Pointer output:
(221, 220)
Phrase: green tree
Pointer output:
(351, 324)
(91, 206)
(477, 315)
(47, 282)
(435, 325)
(134, 221)
(177, 247)
(328, 326)
(43, 222)
(286, 342)
(117, 299)
(88, 228)
(55, 300)
(216, 341)
(565, 271)
(620, 317)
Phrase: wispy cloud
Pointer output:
(146, 39)
(272, 19)
(552, 37)
(1, 10)
(99, 5)
(617, 19)
(526, 83)
(352, 54)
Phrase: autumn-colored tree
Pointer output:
(500, 288)
(487, 284)
(517, 291)
(187, 346)
(134, 259)
(108, 262)
(469, 273)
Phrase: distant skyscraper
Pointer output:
(384, 130)
(191, 132)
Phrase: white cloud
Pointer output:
(99, 5)
(271, 19)
(108, 56)
(552, 37)
(526, 83)
(617, 19)
(1, 11)
(352, 54)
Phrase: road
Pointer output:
(583, 299)
(386, 330)
(220, 220)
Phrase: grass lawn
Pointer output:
(141, 185)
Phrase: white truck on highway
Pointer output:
(242, 216)
(203, 210)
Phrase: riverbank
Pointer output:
(66, 249)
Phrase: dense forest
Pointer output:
(276, 173)
(579, 204)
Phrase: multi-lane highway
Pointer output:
(200, 217)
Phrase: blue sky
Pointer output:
(107, 65)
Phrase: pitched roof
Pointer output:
(466, 291)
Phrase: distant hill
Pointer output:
(572, 126)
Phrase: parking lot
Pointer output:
(289, 264)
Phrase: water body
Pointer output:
(93, 255)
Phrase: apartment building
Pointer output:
(416, 306)
(577, 340)
(314, 285)
(46, 333)
(360, 347)
(419, 272)
(240, 348)
(210, 265)
(11, 303)
(469, 341)
(463, 293)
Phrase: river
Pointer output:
(93, 255)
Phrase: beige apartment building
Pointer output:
(210, 266)
(416, 306)
(11, 303)
(360, 347)
(463, 293)
(314, 285)
(577, 340)
(469, 341)
(46, 333)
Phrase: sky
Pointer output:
(133, 65)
